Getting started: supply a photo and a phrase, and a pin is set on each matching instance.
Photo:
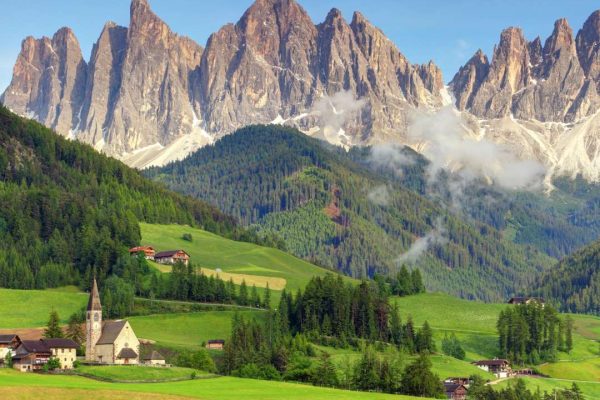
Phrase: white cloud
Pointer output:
(422, 244)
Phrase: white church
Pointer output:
(111, 342)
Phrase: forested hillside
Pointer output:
(322, 204)
(67, 211)
(574, 284)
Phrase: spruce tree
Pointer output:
(418, 380)
(267, 300)
(53, 329)
(74, 330)
(243, 296)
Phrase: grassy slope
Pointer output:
(212, 251)
(474, 324)
(187, 330)
(207, 389)
(38, 303)
(133, 373)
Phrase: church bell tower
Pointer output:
(93, 323)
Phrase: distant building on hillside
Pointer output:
(147, 250)
(32, 355)
(215, 344)
(171, 257)
(455, 391)
(497, 366)
(526, 300)
(113, 342)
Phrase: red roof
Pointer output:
(145, 249)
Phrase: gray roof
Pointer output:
(155, 355)
(60, 343)
(126, 352)
(6, 339)
(111, 331)
(34, 346)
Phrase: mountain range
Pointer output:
(149, 96)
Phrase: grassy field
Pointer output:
(474, 324)
(142, 373)
(187, 330)
(591, 390)
(585, 370)
(259, 281)
(30, 308)
(64, 387)
(211, 251)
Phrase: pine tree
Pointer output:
(53, 329)
(569, 334)
(267, 300)
(325, 374)
(243, 296)
(254, 297)
(75, 330)
(418, 380)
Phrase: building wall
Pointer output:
(93, 330)
(154, 362)
(104, 353)
(127, 338)
(66, 356)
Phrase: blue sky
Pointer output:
(447, 31)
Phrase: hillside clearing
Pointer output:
(259, 281)
(210, 251)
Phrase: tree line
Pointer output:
(533, 333)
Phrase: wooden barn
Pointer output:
(148, 251)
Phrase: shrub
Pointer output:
(187, 236)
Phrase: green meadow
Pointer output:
(225, 388)
(210, 251)
(30, 308)
(188, 329)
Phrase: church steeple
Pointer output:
(93, 323)
(94, 301)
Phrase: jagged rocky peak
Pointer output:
(588, 47)
(561, 39)
(48, 80)
(469, 77)
(147, 88)
(531, 81)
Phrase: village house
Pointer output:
(111, 342)
(32, 355)
(171, 257)
(498, 367)
(147, 250)
(8, 343)
(154, 358)
(526, 300)
(65, 350)
(215, 344)
(455, 391)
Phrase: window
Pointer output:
(96, 317)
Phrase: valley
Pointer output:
(295, 210)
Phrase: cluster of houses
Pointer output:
(110, 342)
(164, 257)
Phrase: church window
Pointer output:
(96, 316)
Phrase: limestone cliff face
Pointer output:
(146, 86)
(554, 83)
(49, 80)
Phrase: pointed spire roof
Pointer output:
(94, 302)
